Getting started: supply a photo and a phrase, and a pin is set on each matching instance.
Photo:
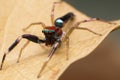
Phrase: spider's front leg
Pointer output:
(25, 45)
(29, 37)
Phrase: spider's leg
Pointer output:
(95, 19)
(67, 44)
(76, 26)
(21, 50)
(52, 12)
(36, 23)
(30, 37)
(83, 28)
(54, 48)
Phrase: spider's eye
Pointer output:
(59, 23)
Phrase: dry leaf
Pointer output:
(25, 12)
(5, 10)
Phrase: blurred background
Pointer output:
(104, 62)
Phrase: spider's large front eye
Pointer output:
(59, 23)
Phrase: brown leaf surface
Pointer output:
(5, 10)
(25, 12)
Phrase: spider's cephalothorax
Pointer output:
(52, 34)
